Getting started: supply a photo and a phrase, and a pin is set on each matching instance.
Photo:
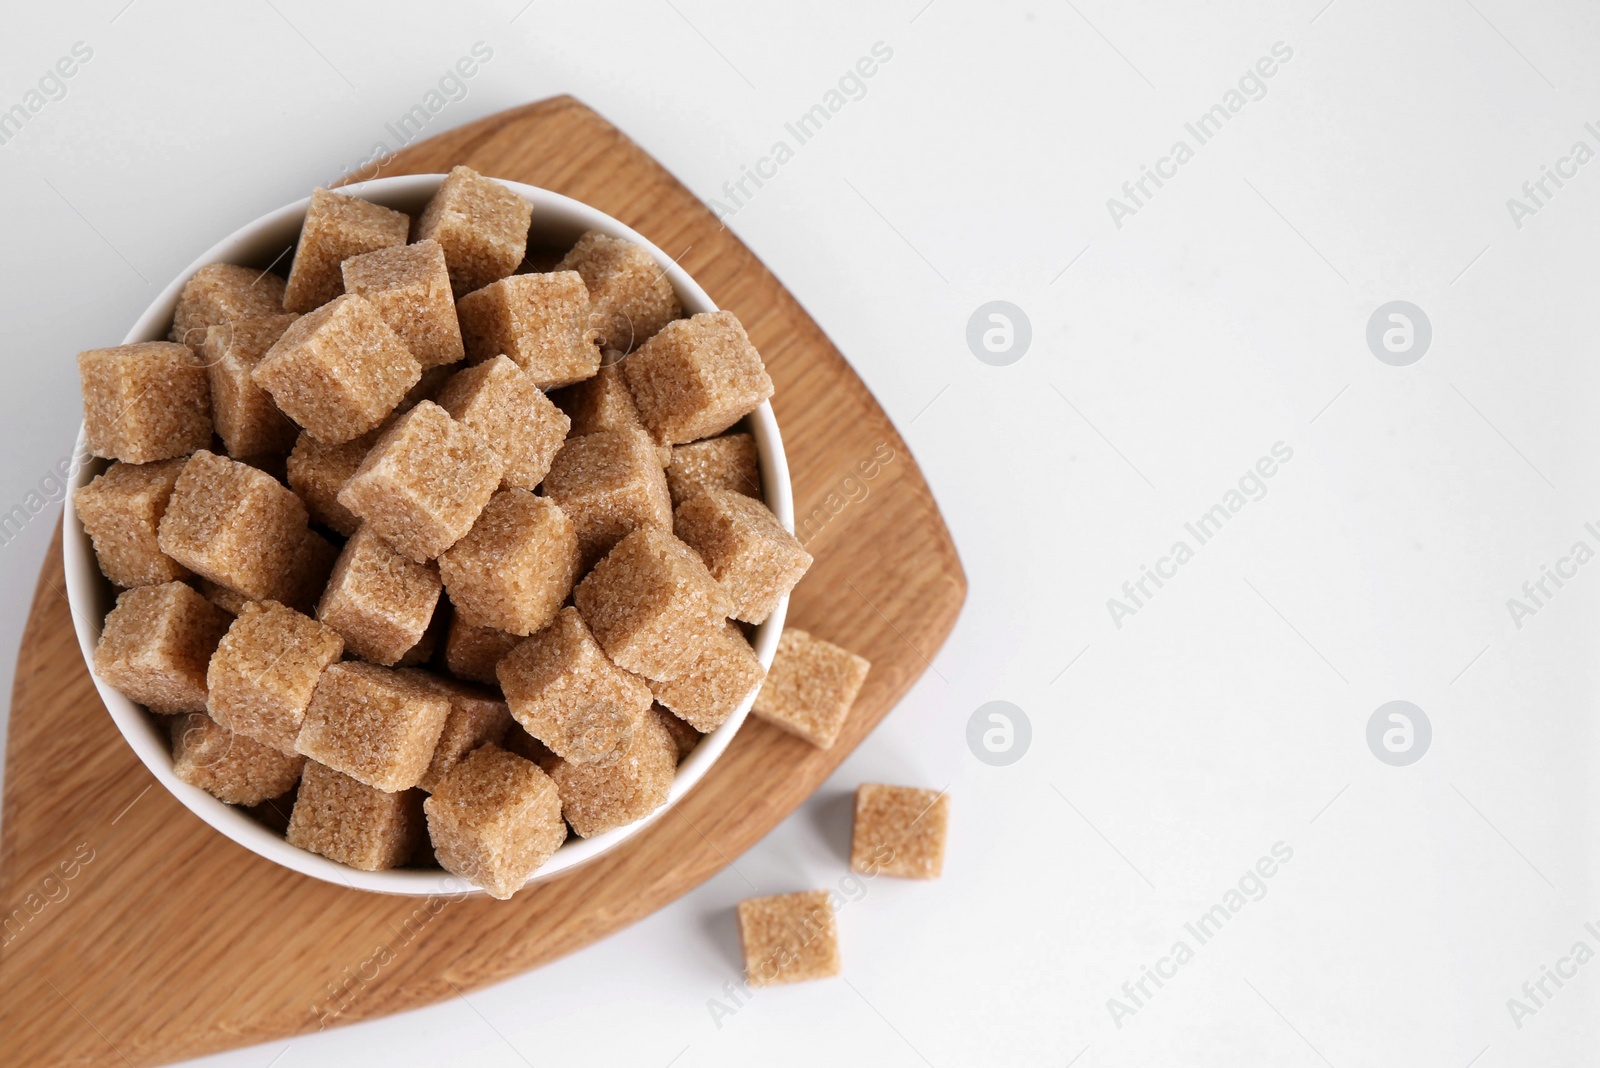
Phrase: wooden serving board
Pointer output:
(133, 933)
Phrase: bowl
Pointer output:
(557, 223)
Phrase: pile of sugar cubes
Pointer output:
(440, 554)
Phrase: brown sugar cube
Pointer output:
(337, 227)
(373, 724)
(353, 823)
(247, 421)
(683, 736)
(789, 938)
(155, 646)
(379, 601)
(565, 691)
(338, 371)
(745, 548)
(697, 377)
(810, 687)
(649, 602)
(477, 717)
(539, 320)
(229, 766)
(481, 225)
(633, 298)
(317, 472)
(424, 482)
(410, 287)
(473, 653)
(899, 830)
(610, 483)
(222, 293)
(234, 525)
(521, 424)
(516, 565)
(494, 819)
(121, 511)
(297, 588)
(730, 462)
(725, 671)
(602, 402)
(598, 797)
(145, 402)
(265, 669)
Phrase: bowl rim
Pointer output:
(88, 590)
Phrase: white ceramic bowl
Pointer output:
(557, 221)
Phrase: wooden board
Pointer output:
(138, 935)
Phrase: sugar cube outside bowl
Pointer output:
(557, 221)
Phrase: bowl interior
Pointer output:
(558, 221)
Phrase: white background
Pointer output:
(1227, 315)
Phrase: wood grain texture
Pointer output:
(168, 941)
